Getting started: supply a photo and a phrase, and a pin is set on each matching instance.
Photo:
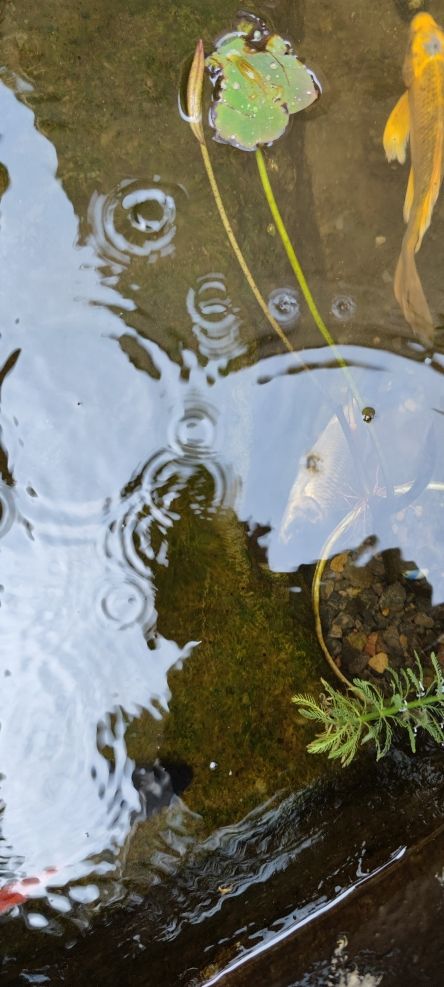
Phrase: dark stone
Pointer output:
(391, 638)
(393, 598)
(357, 664)
(424, 620)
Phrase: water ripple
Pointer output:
(134, 220)
(284, 306)
(150, 505)
(194, 433)
(215, 321)
(126, 602)
(343, 308)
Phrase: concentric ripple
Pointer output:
(284, 306)
(134, 220)
(343, 308)
(215, 322)
(138, 535)
(194, 433)
(126, 602)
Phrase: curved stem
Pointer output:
(194, 117)
(298, 272)
(343, 525)
(236, 248)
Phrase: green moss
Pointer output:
(231, 701)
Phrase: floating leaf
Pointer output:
(258, 83)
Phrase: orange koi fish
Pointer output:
(418, 115)
(17, 892)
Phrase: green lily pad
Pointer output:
(258, 83)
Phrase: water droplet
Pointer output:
(343, 308)
(284, 306)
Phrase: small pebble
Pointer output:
(423, 620)
(379, 241)
(337, 564)
(393, 598)
(371, 645)
(357, 639)
(335, 631)
(391, 637)
(379, 662)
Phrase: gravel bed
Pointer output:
(377, 615)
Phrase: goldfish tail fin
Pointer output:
(410, 295)
(397, 131)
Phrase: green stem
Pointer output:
(236, 248)
(396, 710)
(299, 274)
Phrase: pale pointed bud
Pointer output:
(194, 92)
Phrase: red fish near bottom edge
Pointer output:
(17, 892)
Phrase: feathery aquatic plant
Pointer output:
(364, 715)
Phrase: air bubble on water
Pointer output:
(284, 306)
(343, 308)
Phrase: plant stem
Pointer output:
(236, 248)
(395, 710)
(299, 274)
(194, 108)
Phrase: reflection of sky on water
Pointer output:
(99, 453)
(77, 421)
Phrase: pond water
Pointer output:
(162, 509)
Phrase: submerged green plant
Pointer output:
(258, 83)
(350, 720)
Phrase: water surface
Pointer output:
(154, 611)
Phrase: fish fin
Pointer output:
(431, 196)
(397, 131)
(410, 295)
(409, 196)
